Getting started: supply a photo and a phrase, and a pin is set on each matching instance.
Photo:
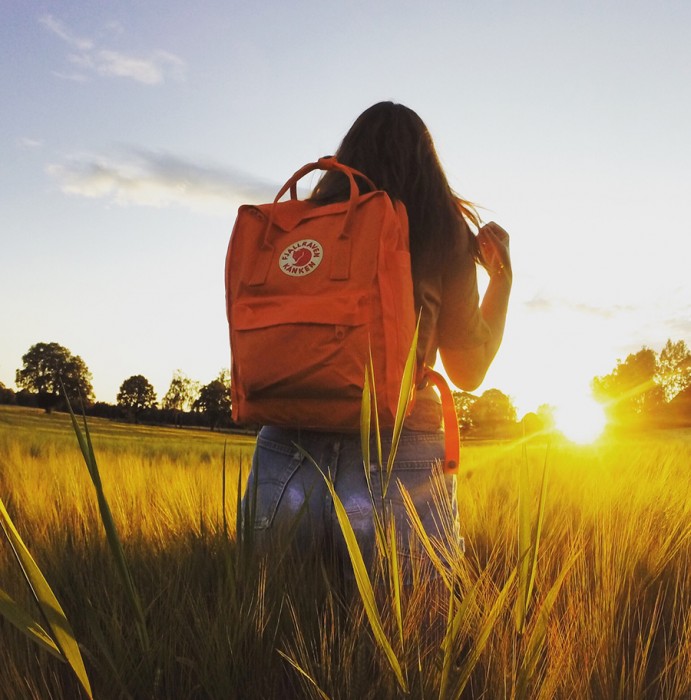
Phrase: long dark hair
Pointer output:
(391, 145)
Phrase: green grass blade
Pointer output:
(365, 426)
(248, 509)
(395, 578)
(538, 527)
(375, 409)
(365, 433)
(528, 542)
(422, 535)
(482, 637)
(374, 412)
(239, 529)
(404, 397)
(305, 675)
(48, 604)
(224, 515)
(112, 536)
(27, 625)
(93, 467)
(448, 645)
(83, 445)
(524, 543)
(538, 635)
(365, 586)
(454, 625)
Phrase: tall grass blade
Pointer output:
(16, 616)
(365, 585)
(371, 407)
(305, 675)
(48, 604)
(482, 638)
(448, 644)
(528, 542)
(223, 492)
(111, 530)
(538, 528)
(238, 514)
(375, 409)
(366, 427)
(537, 637)
(524, 542)
(457, 615)
(395, 578)
(404, 398)
(422, 535)
(366, 415)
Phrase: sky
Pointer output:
(131, 131)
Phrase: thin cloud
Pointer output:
(152, 68)
(681, 326)
(153, 179)
(655, 318)
(59, 29)
(29, 144)
(601, 311)
(544, 304)
(115, 27)
(539, 304)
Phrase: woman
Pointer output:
(286, 490)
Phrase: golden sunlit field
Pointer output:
(609, 615)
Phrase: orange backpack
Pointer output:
(309, 290)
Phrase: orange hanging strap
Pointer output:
(451, 434)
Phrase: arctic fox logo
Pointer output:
(301, 258)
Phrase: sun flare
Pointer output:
(581, 419)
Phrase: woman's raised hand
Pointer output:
(493, 242)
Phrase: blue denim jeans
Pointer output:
(289, 493)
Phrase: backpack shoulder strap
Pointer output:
(452, 438)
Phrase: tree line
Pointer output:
(51, 375)
(646, 389)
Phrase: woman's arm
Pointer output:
(467, 367)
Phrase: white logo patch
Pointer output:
(301, 258)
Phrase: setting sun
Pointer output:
(581, 419)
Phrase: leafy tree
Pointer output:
(7, 396)
(532, 424)
(545, 412)
(45, 365)
(136, 395)
(673, 368)
(464, 401)
(630, 390)
(214, 401)
(679, 409)
(494, 413)
(181, 394)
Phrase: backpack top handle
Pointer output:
(324, 163)
(340, 267)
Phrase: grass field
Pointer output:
(609, 616)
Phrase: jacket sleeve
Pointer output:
(460, 324)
